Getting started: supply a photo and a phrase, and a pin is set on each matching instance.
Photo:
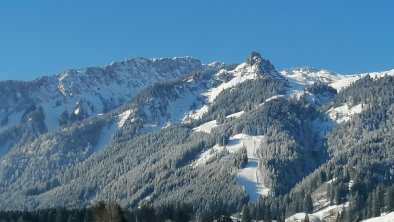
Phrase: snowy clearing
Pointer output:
(321, 215)
(235, 115)
(344, 113)
(384, 218)
(208, 155)
(123, 117)
(249, 177)
(206, 127)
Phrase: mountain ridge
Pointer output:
(223, 129)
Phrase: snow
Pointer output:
(384, 218)
(271, 98)
(249, 177)
(77, 111)
(235, 115)
(323, 125)
(351, 182)
(123, 117)
(240, 74)
(251, 143)
(52, 114)
(301, 217)
(206, 127)
(208, 155)
(344, 113)
(196, 114)
(332, 180)
(321, 215)
(99, 89)
(344, 82)
(301, 78)
(180, 107)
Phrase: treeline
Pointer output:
(112, 212)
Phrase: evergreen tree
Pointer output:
(308, 204)
(390, 199)
(306, 219)
(375, 205)
(246, 214)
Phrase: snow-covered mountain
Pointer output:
(233, 132)
(82, 93)
(300, 78)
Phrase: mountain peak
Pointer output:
(263, 66)
(254, 58)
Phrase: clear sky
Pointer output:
(46, 37)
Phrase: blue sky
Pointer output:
(46, 37)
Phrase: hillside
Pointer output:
(221, 138)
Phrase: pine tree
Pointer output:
(390, 199)
(375, 204)
(246, 214)
(306, 219)
(308, 204)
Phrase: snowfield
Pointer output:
(249, 177)
(208, 155)
(384, 218)
(300, 78)
(325, 214)
(206, 127)
(344, 113)
(123, 117)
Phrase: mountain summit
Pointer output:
(263, 66)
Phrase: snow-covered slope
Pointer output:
(344, 113)
(384, 218)
(300, 78)
(82, 93)
(254, 67)
(249, 177)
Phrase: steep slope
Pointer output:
(356, 182)
(89, 91)
(78, 94)
(151, 110)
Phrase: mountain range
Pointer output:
(217, 136)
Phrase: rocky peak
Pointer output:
(263, 66)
